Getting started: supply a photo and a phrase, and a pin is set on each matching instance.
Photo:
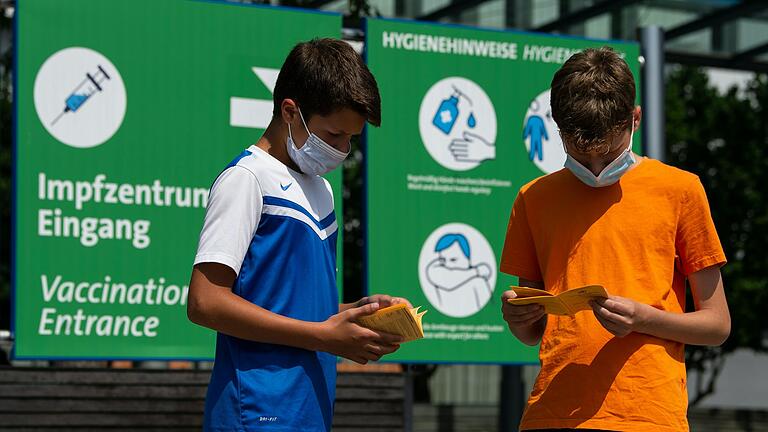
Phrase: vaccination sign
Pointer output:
(126, 113)
(464, 126)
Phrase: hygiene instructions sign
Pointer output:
(464, 126)
(120, 135)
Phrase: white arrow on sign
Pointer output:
(254, 113)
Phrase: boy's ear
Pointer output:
(637, 115)
(288, 110)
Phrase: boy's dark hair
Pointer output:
(592, 99)
(327, 75)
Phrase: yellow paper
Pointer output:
(565, 303)
(397, 319)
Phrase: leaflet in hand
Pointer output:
(566, 303)
(397, 319)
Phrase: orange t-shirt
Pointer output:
(639, 238)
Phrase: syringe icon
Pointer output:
(87, 87)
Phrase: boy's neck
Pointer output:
(275, 141)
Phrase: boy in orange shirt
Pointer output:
(636, 226)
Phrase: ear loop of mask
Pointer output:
(620, 160)
(290, 134)
(301, 116)
(631, 133)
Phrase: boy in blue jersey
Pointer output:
(265, 271)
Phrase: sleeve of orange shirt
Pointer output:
(519, 254)
(696, 240)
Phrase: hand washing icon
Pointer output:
(457, 122)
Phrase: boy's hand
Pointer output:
(341, 335)
(383, 300)
(619, 315)
(519, 316)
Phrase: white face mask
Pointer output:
(610, 174)
(315, 157)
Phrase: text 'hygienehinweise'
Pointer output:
(476, 47)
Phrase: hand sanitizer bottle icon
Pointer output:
(446, 114)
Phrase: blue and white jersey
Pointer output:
(276, 229)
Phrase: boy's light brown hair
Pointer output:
(592, 99)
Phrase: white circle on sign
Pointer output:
(457, 123)
(80, 97)
(541, 136)
(457, 270)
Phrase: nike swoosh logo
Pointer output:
(285, 188)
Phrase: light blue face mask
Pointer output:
(315, 157)
(610, 174)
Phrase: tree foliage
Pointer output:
(6, 62)
(723, 139)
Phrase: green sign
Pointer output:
(466, 122)
(126, 113)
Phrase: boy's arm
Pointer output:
(710, 324)
(212, 304)
(527, 322)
